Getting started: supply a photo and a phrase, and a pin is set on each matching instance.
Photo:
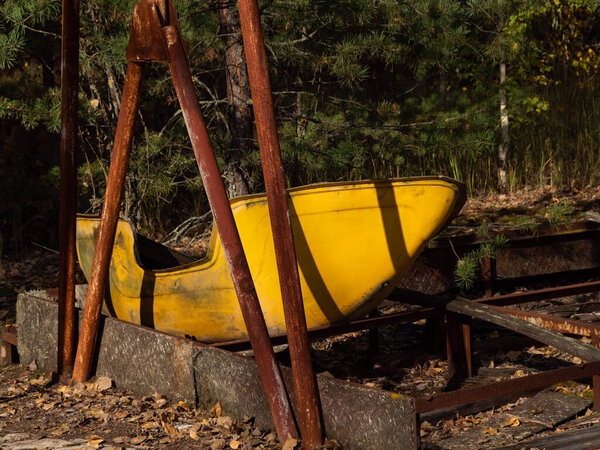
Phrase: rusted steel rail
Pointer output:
(69, 143)
(108, 222)
(260, 87)
(348, 327)
(548, 256)
(541, 294)
(8, 345)
(232, 246)
(500, 388)
(151, 19)
(559, 324)
(398, 295)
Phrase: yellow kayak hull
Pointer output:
(354, 241)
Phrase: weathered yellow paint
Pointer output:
(354, 241)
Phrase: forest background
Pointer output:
(497, 93)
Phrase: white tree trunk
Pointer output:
(503, 147)
(504, 140)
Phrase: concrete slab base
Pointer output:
(146, 361)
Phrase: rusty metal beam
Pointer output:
(9, 335)
(541, 294)
(553, 323)
(260, 87)
(497, 389)
(521, 297)
(489, 314)
(69, 143)
(108, 222)
(341, 328)
(546, 256)
(232, 246)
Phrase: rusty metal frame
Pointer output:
(155, 36)
(500, 388)
(69, 143)
(458, 330)
(305, 386)
(560, 324)
(460, 340)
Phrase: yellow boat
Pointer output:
(354, 241)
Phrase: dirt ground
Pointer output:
(35, 413)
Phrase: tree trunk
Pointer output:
(504, 140)
(503, 147)
(237, 178)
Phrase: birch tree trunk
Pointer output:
(504, 139)
(503, 147)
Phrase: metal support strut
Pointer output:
(155, 37)
(277, 198)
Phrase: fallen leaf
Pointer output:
(194, 431)
(448, 423)
(225, 422)
(491, 431)
(271, 437)
(121, 414)
(289, 443)
(217, 444)
(95, 412)
(138, 439)
(184, 406)
(41, 381)
(519, 373)
(159, 403)
(235, 444)
(62, 429)
(576, 360)
(49, 406)
(102, 384)
(511, 422)
(513, 354)
(217, 410)
(169, 429)
(63, 389)
(150, 425)
(95, 440)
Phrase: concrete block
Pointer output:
(146, 361)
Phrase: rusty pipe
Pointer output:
(68, 185)
(108, 222)
(232, 246)
(293, 307)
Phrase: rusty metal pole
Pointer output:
(596, 389)
(232, 246)
(108, 222)
(68, 185)
(293, 307)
